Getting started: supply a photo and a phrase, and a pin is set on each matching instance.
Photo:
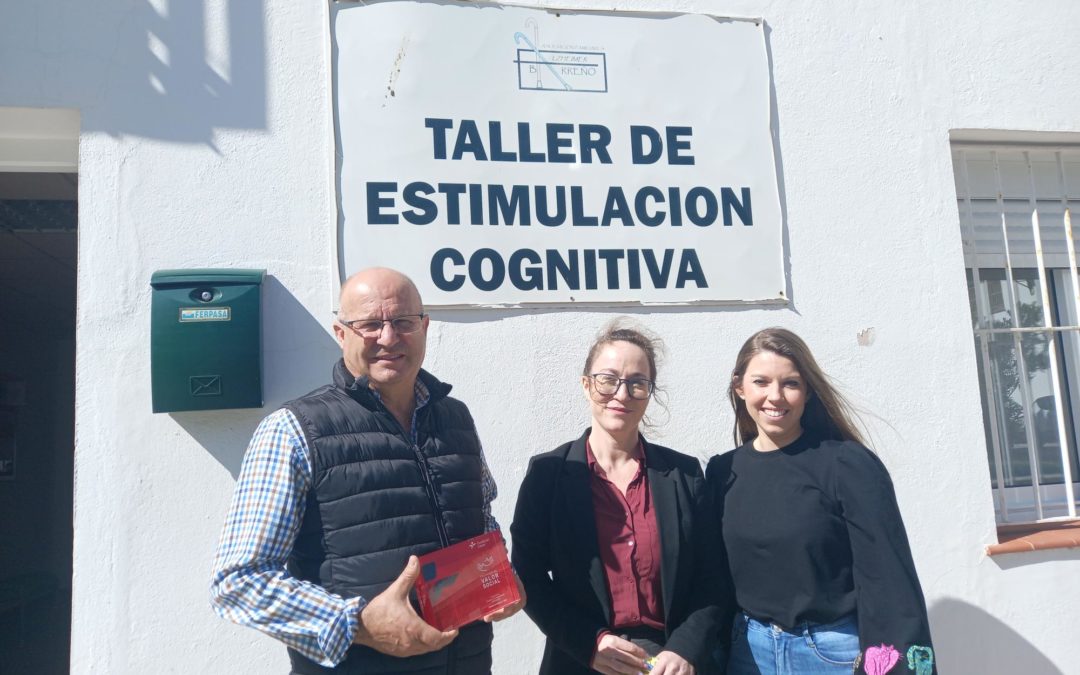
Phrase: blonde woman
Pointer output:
(818, 555)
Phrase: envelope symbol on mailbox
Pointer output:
(205, 385)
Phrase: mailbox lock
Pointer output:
(203, 294)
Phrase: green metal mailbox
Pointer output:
(205, 339)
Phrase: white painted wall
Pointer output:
(206, 142)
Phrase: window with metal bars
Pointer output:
(1015, 203)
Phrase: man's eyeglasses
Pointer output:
(608, 385)
(372, 328)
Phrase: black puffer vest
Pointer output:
(377, 498)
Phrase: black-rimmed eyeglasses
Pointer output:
(372, 328)
(606, 384)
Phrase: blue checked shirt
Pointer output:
(251, 585)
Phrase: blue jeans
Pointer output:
(810, 649)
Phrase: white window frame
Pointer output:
(1025, 503)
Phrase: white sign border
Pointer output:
(782, 299)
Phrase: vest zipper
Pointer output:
(440, 526)
(429, 485)
(451, 658)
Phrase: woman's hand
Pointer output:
(616, 656)
(670, 663)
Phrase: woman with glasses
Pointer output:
(611, 536)
(820, 561)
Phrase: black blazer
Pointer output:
(556, 554)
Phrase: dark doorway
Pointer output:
(37, 418)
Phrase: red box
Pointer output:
(465, 582)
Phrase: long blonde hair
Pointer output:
(827, 413)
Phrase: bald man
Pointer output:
(341, 489)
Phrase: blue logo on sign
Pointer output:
(558, 70)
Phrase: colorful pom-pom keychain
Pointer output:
(880, 660)
(920, 659)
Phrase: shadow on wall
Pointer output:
(774, 116)
(298, 354)
(182, 80)
(968, 640)
(1009, 561)
(175, 70)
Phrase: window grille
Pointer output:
(1015, 203)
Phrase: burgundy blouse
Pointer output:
(629, 542)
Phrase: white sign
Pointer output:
(504, 155)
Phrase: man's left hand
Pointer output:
(509, 610)
(670, 663)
